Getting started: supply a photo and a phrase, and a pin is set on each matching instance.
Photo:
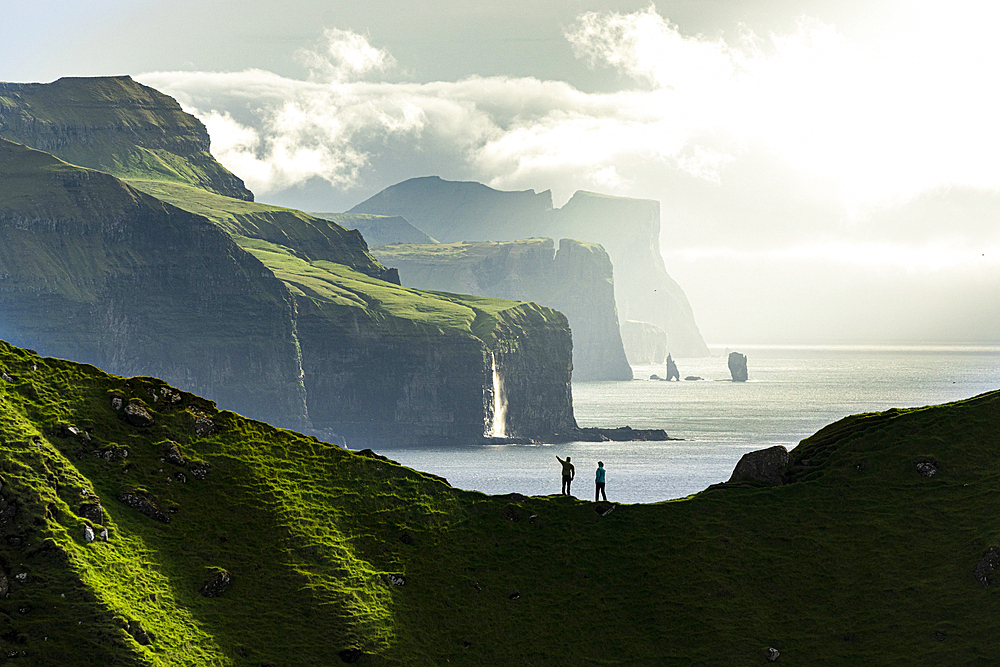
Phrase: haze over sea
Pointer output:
(792, 393)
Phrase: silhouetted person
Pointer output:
(600, 483)
(569, 472)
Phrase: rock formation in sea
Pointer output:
(576, 280)
(672, 372)
(628, 229)
(738, 366)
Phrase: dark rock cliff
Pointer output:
(629, 229)
(95, 271)
(413, 385)
(115, 125)
(576, 280)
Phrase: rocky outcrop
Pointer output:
(115, 125)
(738, 366)
(763, 465)
(644, 343)
(672, 372)
(628, 229)
(576, 280)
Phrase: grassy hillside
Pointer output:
(335, 556)
(116, 125)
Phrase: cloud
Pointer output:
(865, 126)
(344, 56)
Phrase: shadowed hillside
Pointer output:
(234, 543)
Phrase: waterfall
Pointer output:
(499, 427)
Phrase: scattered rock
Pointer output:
(6, 377)
(171, 453)
(116, 403)
(181, 477)
(513, 595)
(395, 579)
(771, 654)
(112, 453)
(203, 424)
(940, 635)
(144, 503)
(672, 372)
(476, 585)
(738, 366)
(604, 508)
(692, 378)
(986, 565)
(92, 511)
(927, 467)
(88, 534)
(104, 534)
(763, 465)
(136, 414)
(216, 585)
(198, 469)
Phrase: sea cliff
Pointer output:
(147, 257)
(628, 229)
(576, 280)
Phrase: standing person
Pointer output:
(568, 473)
(600, 483)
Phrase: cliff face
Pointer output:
(93, 270)
(629, 229)
(575, 280)
(411, 385)
(269, 311)
(115, 125)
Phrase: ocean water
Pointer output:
(792, 393)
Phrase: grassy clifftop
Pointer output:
(334, 556)
(116, 125)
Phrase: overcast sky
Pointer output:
(827, 170)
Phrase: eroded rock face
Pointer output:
(738, 366)
(136, 414)
(216, 585)
(144, 503)
(763, 465)
(92, 511)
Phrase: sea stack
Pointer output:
(672, 372)
(738, 366)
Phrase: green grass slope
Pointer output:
(116, 125)
(339, 557)
(310, 238)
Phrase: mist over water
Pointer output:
(792, 393)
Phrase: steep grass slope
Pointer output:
(115, 125)
(335, 556)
